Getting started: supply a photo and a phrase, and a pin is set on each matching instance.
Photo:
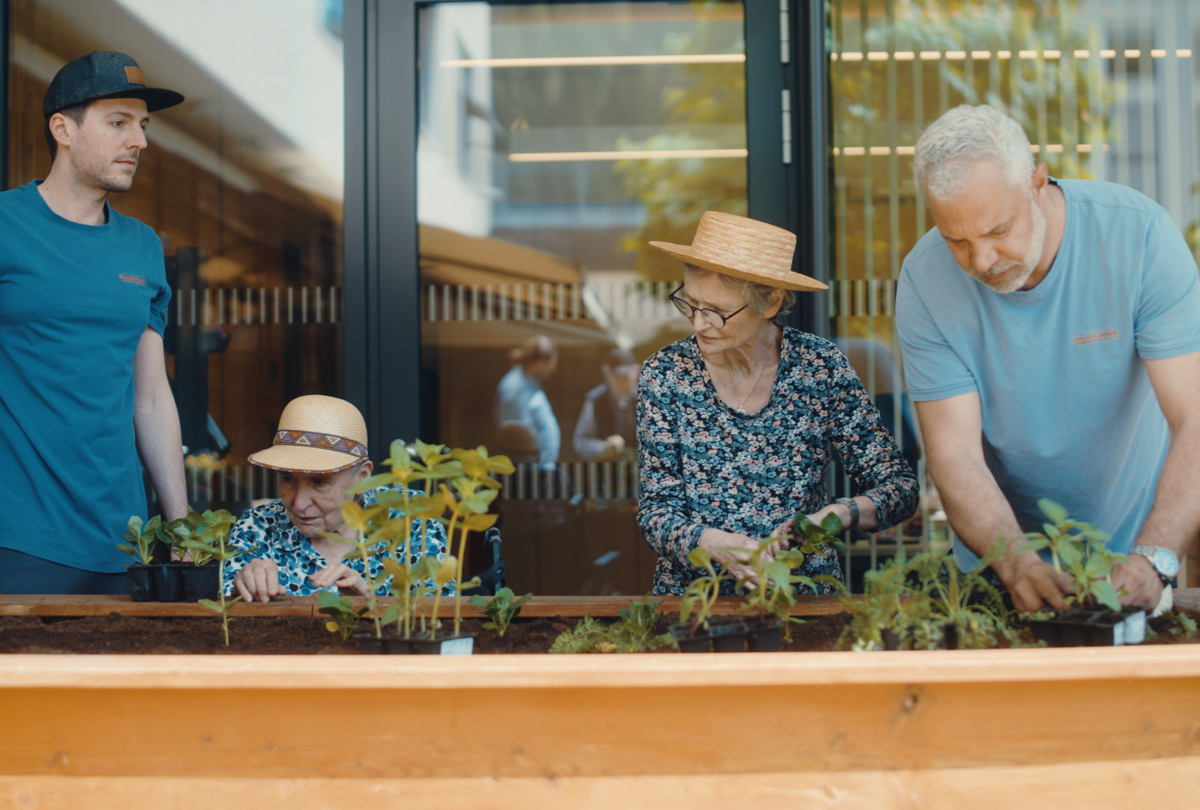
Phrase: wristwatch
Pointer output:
(1164, 562)
(852, 505)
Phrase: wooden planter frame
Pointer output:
(1085, 727)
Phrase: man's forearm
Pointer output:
(977, 509)
(1175, 518)
(156, 422)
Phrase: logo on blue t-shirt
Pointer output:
(132, 279)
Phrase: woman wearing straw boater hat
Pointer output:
(320, 452)
(735, 421)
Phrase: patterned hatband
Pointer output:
(321, 441)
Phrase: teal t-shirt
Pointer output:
(75, 301)
(1068, 409)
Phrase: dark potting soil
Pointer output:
(115, 633)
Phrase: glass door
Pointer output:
(554, 141)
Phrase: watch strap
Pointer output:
(851, 505)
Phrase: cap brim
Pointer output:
(792, 281)
(291, 458)
(156, 98)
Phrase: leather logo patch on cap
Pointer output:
(134, 75)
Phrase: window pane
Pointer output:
(556, 141)
(243, 184)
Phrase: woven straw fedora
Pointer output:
(316, 434)
(743, 248)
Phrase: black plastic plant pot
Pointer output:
(394, 645)
(141, 582)
(1098, 628)
(728, 635)
(891, 639)
(369, 643)
(201, 582)
(949, 637)
(453, 645)
(765, 637)
(682, 633)
(168, 581)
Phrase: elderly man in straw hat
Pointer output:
(1051, 341)
(735, 422)
(320, 451)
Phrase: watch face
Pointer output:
(1165, 562)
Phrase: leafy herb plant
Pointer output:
(1078, 550)
(141, 540)
(912, 599)
(501, 609)
(633, 632)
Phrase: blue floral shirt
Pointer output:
(704, 465)
(270, 529)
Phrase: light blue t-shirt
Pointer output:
(75, 301)
(520, 398)
(1068, 409)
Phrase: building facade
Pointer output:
(381, 199)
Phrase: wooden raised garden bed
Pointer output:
(1087, 727)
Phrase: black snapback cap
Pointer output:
(104, 74)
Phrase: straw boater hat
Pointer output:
(743, 248)
(316, 434)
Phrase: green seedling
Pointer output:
(633, 632)
(501, 609)
(911, 598)
(443, 576)
(372, 526)
(343, 617)
(774, 583)
(468, 506)
(178, 532)
(141, 540)
(1078, 550)
(213, 541)
(814, 538)
(695, 609)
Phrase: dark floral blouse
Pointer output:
(704, 465)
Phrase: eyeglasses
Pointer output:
(711, 316)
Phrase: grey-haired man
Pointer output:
(1051, 339)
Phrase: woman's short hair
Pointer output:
(758, 297)
(962, 137)
(538, 347)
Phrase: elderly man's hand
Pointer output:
(258, 581)
(1142, 583)
(1031, 582)
(342, 575)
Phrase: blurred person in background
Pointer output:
(520, 398)
(607, 423)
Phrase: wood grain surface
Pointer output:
(1110, 785)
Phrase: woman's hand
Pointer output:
(733, 550)
(342, 575)
(258, 580)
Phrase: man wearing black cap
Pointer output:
(83, 304)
